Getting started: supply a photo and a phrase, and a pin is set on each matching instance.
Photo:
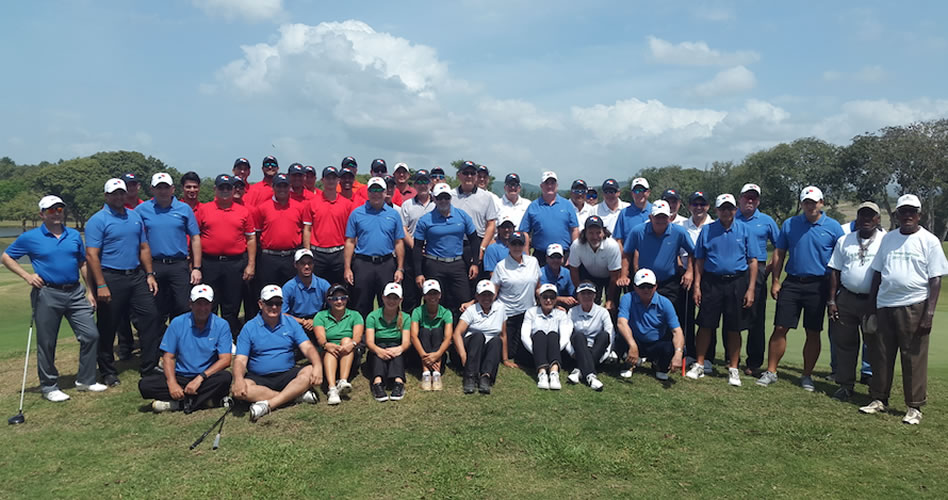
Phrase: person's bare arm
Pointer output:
(95, 265)
(196, 274)
(779, 255)
(934, 288)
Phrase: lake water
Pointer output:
(7, 232)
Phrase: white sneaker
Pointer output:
(163, 406)
(259, 410)
(734, 377)
(308, 397)
(875, 406)
(344, 387)
(594, 382)
(555, 381)
(333, 396)
(913, 416)
(96, 387)
(543, 381)
(767, 378)
(426, 381)
(663, 376)
(56, 396)
(695, 372)
(625, 374)
(573, 377)
(436, 384)
(612, 357)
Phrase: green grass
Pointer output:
(695, 438)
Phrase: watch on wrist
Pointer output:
(150, 274)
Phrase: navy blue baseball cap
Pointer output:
(295, 168)
(330, 170)
(483, 168)
(349, 162)
(437, 171)
(281, 179)
(610, 184)
(697, 195)
(389, 179)
(238, 181)
(379, 165)
(518, 236)
(468, 165)
(346, 171)
(224, 179)
(512, 179)
(308, 169)
(241, 161)
(671, 194)
(130, 177)
(579, 184)
(270, 160)
(422, 174)
(594, 220)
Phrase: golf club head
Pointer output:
(17, 419)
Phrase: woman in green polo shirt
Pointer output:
(387, 338)
(431, 332)
(338, 331)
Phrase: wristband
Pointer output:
(196, 268)
(152, 274)
(202, 375)
(102, 286)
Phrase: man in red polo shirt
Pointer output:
(229, 248)
(131, 196)
(401, 175)
(378, 169)
(346, 187)
(297, 175)
(309, 179)
(279, 224)
(242, 169)
(349, 163)
(263, 190)
(190, 189)
(329, 212)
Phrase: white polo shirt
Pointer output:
(583, 213)
(589, 324)
(535, 321)
(693, 231)
(907, 262)
(513, 210)
(609, 217)
(855, 272)
(599, 262)
(517, 283)
(489, 324)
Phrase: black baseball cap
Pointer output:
(238, 180)
(130, 177)
(511, 179)
(594, 221)
(697, 195)
(610, 184)
(241, 161)
(518, 236)
(337, 288)
(379, 165)
(579, 184)
(309, 169)
(271, 159)
(330, 170)
(437, 171)
(389, 179)
(468, 165)
(281, 179)
(483, 168)
(422, 174)
(295, 168)
(224, 179)
(671, 194)
(349, 162)
(345, 171)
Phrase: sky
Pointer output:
(590, 89)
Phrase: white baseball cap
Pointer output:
(750, 187)
(554, 249)
(505, 219)
(392, 288)
(661, 207)
(376, 181)
(644, 277)
(430, 285)
(547, 287)
(485, 286)
(549, 174)
(441, 188)
(114, 184)
(202, 292)
(724, 198)
(811, 193)
(302, 252)
(640, 181)
(161, 177)
(399, 165)
(908, 200)
(270, 291)
(586, 287)
(50, 201)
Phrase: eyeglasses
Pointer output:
(54, 210)
(376, 189)
(270, 165)
(437, 176)
(273, 303)
(547, 297)
(338, 298)
(579, 191)
(639, 190)
(468, 173)
(610, 191)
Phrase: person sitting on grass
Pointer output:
(648, 323)
(196, 354)
(338, 332)
(481, 339)
(593, 336)
(265, 370)
(387, 338)
(556, 273)
(545, 333)
(304, 294)
(431, 330)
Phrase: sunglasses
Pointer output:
(225, 187)
(422, 181)
(647, 286)
(338, 298)
(610, 191)
(376, 189)
(517, 243)
(273, 303)
(698, 204)
(270, 165)
(592, 196)
(54, 210)
(579, 191)
(639, 190)
(468, 173)
(547, 297)
(437, 176)
(443, 197)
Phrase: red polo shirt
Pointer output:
(224, 231)
(329, 221)
(363, 194)
(258, 192)
(281, 226)
(303, 196)
(195, 207)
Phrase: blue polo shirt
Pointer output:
(629, 218)
(119, 237)
(167, 229)
(648, 324)
(563, 281)
(659, 253)
(725, 251)
(376, 230)
(444, 236)
(549, 223)
(304, 301)
(270, 350)
(762, 228)
(56, 260)
(810, 245)
(494, 254)
(196, 350)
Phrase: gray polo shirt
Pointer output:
(411, 211)
(478, 204)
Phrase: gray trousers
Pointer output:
(897, 334)
(854, 316)
(49, 307)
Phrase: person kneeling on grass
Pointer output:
(481, 339)
(265, 371)
(338, 331)
(387, 338)
(592, 337)
(545, 333)
(196, 354)
(649, 324)
(431, 330)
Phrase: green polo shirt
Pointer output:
(337, 330)
(442, 317)
(386, 332)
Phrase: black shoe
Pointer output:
(865, 379)
(843, 394)
(378, 392)
(111, 380)
(469, 384)
(125, 355)
(154, 371)
(484, 387)
(398, 391)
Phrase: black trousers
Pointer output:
(455, 286)
(411, 294)
(756, 339)
(483, 355)
(388, 369)
(602, 284)
(217, 386)
(370, 279)
(274, 270)
(129, 294)
(174, 288)
(226, 278)
(546, 349)
(587, 357)
(687, 313)
(660, 353)
(329, 266)
(514, 351)
(431, 338)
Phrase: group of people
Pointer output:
(407, 268)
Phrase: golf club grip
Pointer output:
(217, 441)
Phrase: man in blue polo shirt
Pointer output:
(439, 252)
(762, 228)
(196, 354)
(304, 294)
(374, 234)
(119, 259)
(59, 258)
(810, 238)
(265, 369)
(649, 324)
(656, 245)
(555, 273)
(168, 225)
(631, 216)
(549, 219)
(724, 253)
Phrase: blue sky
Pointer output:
(592, 89)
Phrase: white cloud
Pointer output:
(867, 74)
(729, 81)
(521, 113)
(856, 117)
(635, 119)
(697, 54)
(755, 110)
(716, 14)
(251, 10)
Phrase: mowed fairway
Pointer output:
(636, 438)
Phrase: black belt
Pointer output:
(279, 253)
(68, 287)
(857, 295)
(173, 260)
(126, 272)
(727, 277)
(328, 249)
(223, 258)
(442, 259)
(373, 259)
(805, 279)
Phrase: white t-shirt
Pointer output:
(609, 217)
(535, 321)
(693, 231)
(589, 324)
(907, 262)
(855, 272)
(583, 213)
(599, 262)
(517, 283)
(490, 324)
(513, 210)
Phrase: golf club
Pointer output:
(211, 428)
(19, 418)
(217, 438)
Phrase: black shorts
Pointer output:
(794, 296)
(275, 381)
(724, 296)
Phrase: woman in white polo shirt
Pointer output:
(481, 339)
(545, 333)
(517, 277)
(593, 336)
